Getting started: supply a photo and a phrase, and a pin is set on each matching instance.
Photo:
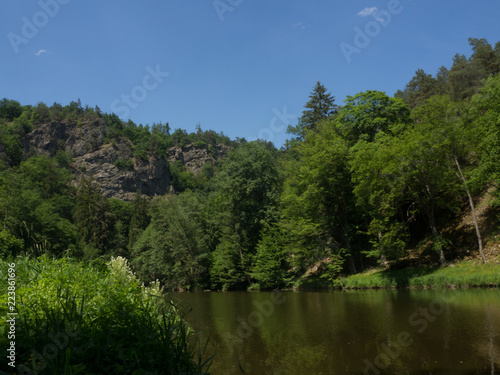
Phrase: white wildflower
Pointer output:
(119, 268)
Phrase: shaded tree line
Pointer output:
(355, 186)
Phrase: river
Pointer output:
(357, 332)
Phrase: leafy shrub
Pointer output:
(76, 318)
(10, 109)
(63, 158)
(9, 245)
(200, 144)
(12, 146)
(124, 164)
(22, 124)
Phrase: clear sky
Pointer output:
(244, 67)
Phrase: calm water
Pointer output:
(366, 332)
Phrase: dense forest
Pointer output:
(356, 185)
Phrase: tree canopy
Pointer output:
(378, 180)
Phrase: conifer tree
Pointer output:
(320, 107)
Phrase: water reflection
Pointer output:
(363, 332)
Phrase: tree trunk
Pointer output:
(347, 239)
(352, 265)
(471, 202)
(243, 264)
(361, 262)
(383, 259)
(435, 234)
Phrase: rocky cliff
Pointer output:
(112, 164)
(195, 158)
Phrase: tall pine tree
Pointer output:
(320, 107)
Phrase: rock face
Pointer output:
(120, 175)
(113, 165)
(195, 158)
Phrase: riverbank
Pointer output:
(458, 275)
(66, 316)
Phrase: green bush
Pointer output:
(76, 318)
(64, 158)
(124, 164)
(9, 245)
(460, 275)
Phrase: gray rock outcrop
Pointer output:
(113, 165)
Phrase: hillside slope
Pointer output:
(111, 162)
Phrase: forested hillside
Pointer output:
(375, 180)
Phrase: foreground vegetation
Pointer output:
(77, 318)
(458, 275)
(355, 186)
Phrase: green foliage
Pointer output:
(180, 138)
(422, 86)
(332, 268)
(63, 158)
(182, 178)
(246, 199)
(139, 219)
(355, 186)
(10, 109)
(38, 209)
(461, 275)
(407, 171)
(250, 181)
(228, 264)
(12, 145)
(319, 213)
(320, 107)
(40, 114)
(125, 164)
(461, 81)
(22, 124)
(93, 218)
(121, 215)
(174, 248)
(44, 173)
(368, 113)
(10, 246)
(10, 139)
(103, 322)
(487, 119)
(270, 260)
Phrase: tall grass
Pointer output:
(460, 275)
(76, 318)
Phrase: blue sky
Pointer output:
(238, 66)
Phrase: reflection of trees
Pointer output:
(333, 333)
(468, 325)
(491, 329)
(231, 350)
(486, 340)
(286, 334)
(345, 326)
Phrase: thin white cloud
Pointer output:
(40, 52)
(367, 12)
(299, 25)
